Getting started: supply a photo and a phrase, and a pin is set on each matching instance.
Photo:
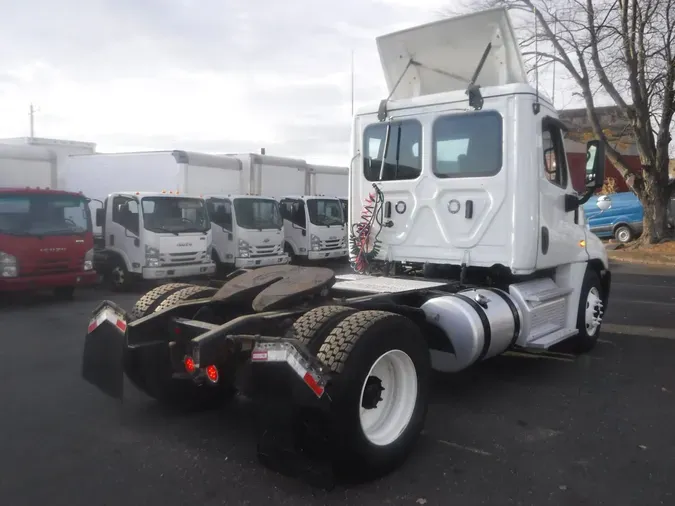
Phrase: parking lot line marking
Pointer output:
(639, 330)
(467, 448)
(626, 300)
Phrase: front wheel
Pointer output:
(380, 391)
(590, 312)
(119, 277)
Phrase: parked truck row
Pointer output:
(161, 215)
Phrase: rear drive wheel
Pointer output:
(589, 315)
(379, 390)
(312, 328)
(623, 234)
(147, 304)
(190, 292)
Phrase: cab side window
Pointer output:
(125, 213)
(294, 211)
(220, 212)
(555, 161)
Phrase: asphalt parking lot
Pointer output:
(518, 429)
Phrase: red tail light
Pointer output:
(212, 373)
(189, 365)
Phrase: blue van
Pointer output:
(620, 219)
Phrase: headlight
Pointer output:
(89, 260)
(244, 249)
(9, 267)
(151, 256)
(315, 242)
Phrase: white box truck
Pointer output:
(314, 224)
(158, 227)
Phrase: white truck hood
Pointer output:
(446, 54)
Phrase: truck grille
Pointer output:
(331, 244)
(184, 258)
(52, 267)
(265, 251)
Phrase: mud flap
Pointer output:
(104, 345)
(293, 426)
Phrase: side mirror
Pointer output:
(100, 217)
(595, 165)
(604, 203)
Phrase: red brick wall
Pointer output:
(577, 164)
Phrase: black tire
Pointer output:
(147, 304)
(188, 293)
(349, 351)
(64, 292)
(312, 328)
(288, 249)
(623, 234)
(222, 270)
(587, 338)
(119, 277)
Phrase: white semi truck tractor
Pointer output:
(466, 239)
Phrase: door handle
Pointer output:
(387, 209)
(112, 239)
(468, 211)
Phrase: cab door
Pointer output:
(561, 225)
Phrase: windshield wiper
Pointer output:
(164, 229)
(195, 229)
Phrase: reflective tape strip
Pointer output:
(107, 315)
(284, 352)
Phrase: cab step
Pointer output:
(546, 341)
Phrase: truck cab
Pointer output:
(46, 241)
(315, 227)
(247, 231)
(153, 236)
(467, 167)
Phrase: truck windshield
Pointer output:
(325, 212)
(174, 214)
(44, 214)
(257, 214)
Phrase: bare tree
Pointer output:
(624, 50)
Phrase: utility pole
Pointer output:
(352, 76)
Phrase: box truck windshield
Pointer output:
(44, 215)
(257, 214)
(325, 212)
(175, 215)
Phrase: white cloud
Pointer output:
(212, 75)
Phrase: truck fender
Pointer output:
(117, 254)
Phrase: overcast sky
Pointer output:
(204, 75)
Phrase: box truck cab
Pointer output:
(315, 227)
(46, 241)
(153, 236)
(247, 231)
